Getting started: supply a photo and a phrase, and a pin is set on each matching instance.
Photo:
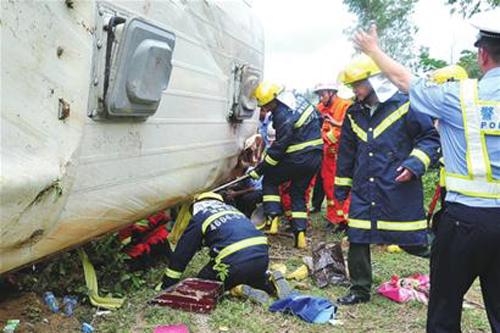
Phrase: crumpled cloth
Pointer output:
(312, 309)
(405, 289)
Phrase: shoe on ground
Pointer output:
(352, 299)
(300, 240)
(253, 294)
(283, 289)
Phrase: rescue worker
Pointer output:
(385, 148)
(239, 252)
(295, 155)
(333, 109)
(467, 241)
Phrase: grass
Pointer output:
(235, 315)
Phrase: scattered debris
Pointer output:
(299, 274)
(327, 265)
(11, 325)
(69, 304)
(51, 301)
(312, 309)
(279, 267)
(64, 109)
(172, 329)
(393, 249)
(87, 328)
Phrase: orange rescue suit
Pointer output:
(330, 133)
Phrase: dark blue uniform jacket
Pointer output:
(383, 211)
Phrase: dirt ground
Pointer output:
(34, 315)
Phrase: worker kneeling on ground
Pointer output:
(385, 148)
(294, 156)
(239, 252)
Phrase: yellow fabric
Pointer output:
(303, 145)
(180, 225)
(93, 289)
(299, 274)
(360, 68)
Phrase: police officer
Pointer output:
(239, 252)
(385, 148)
(468, 235)
(295, 155)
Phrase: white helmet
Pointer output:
(487, 23)
(325, 86)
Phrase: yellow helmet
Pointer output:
(266, 92)
(448, 73)
(208, 195)
(360, 68)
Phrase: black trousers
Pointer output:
(251, 272)
(360, 265)
(247, 202)
(318, 192)
(467, 245)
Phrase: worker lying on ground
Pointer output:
(239, 252)
(295, 154)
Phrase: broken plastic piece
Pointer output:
(172, 329)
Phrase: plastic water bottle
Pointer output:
(87, 328)
(51, 301)
(69, 303)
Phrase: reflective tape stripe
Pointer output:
(307, 112)
(343, 181)
(270, 160)
(387, 225)
(359, 224)
(173, 274)
(358, 130)
(142, 223)
(228, 250)
(254, 174)
(271, 198)
(391, 119)
(473, 188)
(299, 215)
(402, 226)
(422, 156)
(442, 177)
(214, 217)
(300, 146)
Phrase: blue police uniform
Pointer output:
(383, 211)
(468, 233)
(239, 252)
(295, 155)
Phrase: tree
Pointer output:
(394, 26)
(426, 64)
(467, 8)
(468, 60)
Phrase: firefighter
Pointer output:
(468, 233)
(385, 148)
(295, 155)
(238, 251)
(333, 109)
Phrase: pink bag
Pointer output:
(405, 289)
(172, 329)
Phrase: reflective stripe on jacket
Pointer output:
(371, 150)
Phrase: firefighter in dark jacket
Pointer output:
(385, 148)
(294, 156)
(239, 252)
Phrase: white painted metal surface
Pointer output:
(66, 181)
